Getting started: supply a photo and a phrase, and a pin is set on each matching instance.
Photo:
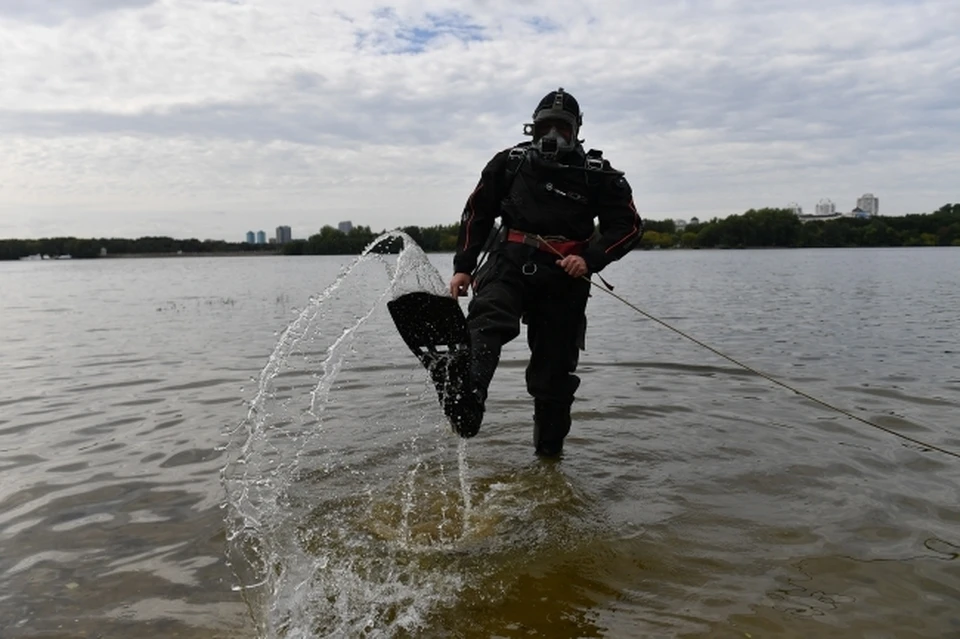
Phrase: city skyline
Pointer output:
(284, 234)
(867, 203)
(137, 118)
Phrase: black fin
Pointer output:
(435, 330)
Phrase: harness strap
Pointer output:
(550, 244)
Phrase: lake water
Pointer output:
(243, 447)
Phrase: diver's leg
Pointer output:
(555, 335)
(493, 320)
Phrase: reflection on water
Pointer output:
(694, 499)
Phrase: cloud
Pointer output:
(53, 12)
(280, 111)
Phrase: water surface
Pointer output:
(694, 499)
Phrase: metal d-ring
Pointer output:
(529, 268)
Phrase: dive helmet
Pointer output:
(556, 124)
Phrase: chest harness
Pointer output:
(555, 244)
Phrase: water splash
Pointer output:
(464, 482)
(310, 538)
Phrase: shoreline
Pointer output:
(117, 256)
(120, 256)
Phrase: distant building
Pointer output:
(261, 237)
(250, 237)
(869, 204)
(825, 208)
(859, 213)
(284, 234)
(680, 224)
(694, 220)
(345, 227)
(795, 208)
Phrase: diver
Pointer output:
(547, 193)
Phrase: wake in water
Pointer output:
(349, 505)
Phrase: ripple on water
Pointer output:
(693, 500)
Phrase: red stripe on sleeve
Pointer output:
(633, 231)
(473, 213)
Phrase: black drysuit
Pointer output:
(522, 282)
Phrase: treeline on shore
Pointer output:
(756, 228)
(330, 241)
(111, 247)
(770, 227)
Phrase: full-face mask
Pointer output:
(556, 124)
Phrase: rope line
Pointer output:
(759, 373)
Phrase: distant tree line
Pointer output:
(330, 241)
(768, 227)
(87, 248)
(771, 227)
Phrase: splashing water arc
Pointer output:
(326, 538)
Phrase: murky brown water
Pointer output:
(695, 500)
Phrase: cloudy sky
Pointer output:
(208, 118)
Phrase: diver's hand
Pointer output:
(574, 265)
(459, 284)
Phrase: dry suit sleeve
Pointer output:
(479, 213)
(620, 225)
